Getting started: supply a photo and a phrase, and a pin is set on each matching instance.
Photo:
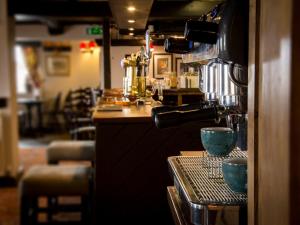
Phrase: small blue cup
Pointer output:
(218, 141)
(235, 174)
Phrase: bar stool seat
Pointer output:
(70, 150)
(53, 181)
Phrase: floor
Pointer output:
(32, 152)
(9, 201)
(41, 141)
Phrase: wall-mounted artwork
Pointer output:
(179, 66)
(58, 65)
(162, 63)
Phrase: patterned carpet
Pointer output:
(9, 201)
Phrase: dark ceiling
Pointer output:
(168, 16)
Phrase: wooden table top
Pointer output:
(29, 101)
(128, 114)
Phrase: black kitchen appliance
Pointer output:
(222, 53)
(223, 79)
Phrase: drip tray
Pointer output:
(200, 199)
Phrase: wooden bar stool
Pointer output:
(53, 181)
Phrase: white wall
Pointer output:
(40, 33)
(84, 72)
(118, 53)
(86, 69)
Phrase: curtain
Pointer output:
(34, 80)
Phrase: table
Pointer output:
(30, 103)
(131, 165)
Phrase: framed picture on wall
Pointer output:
(58, 65)
(179, 66)
(162, 63)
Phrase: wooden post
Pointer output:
(253, 84)
(273, 106)
(106, 54)
(9, 152)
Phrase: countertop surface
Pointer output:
(128, 114)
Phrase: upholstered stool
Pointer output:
(71, 150)
(53, 181)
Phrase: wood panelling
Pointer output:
(131, 168)
(272, 158)
(295, 119)
(253, 110)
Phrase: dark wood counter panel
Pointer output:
(131, 165)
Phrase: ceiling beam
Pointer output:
(64, 9)
(130, 42)
(180, 10)
(60, 8)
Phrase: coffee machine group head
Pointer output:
(221, 39)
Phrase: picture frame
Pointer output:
(179, 66)
(162, 63)
(58, 65)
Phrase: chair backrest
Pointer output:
(78, 105)
(56, 104)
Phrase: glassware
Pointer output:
(158, 85)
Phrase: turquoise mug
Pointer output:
(235, 174)
(218, 141)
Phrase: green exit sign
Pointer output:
(94, 30)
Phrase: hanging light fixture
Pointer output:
(82, 46)
(92, 45)
(87, 46)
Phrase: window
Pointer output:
(21, 70)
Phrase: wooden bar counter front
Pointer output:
(131, 165)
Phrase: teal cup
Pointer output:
(235, 174)
(218, 141)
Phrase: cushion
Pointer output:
(70, 150)
(56, 180)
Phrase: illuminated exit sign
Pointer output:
(94, 30)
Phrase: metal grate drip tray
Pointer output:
(198, 188)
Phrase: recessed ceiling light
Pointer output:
(131, 28)
(131, 8)
(131, 21)
(131, 34)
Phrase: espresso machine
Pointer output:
(218, 41)
(220, 47)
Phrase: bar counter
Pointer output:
(131, 165)
(128, 114)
